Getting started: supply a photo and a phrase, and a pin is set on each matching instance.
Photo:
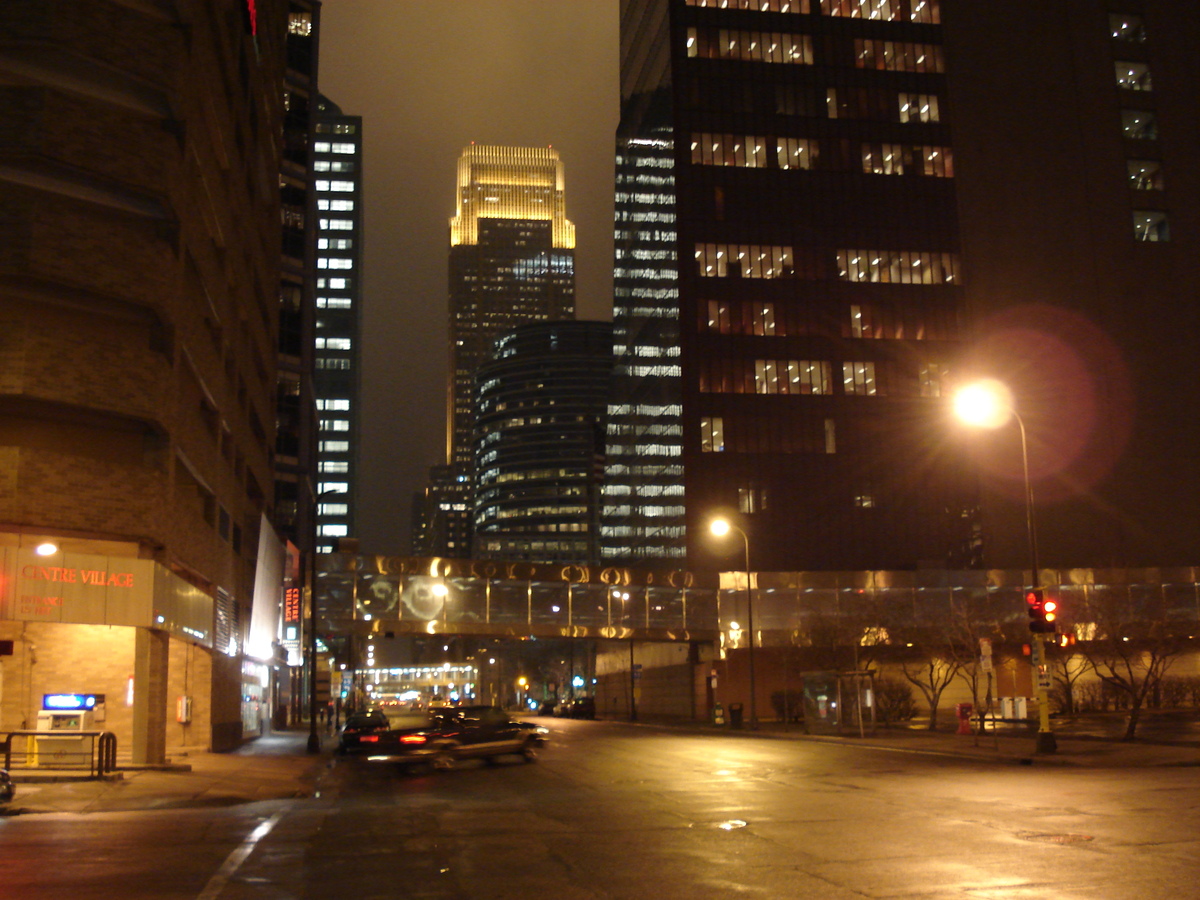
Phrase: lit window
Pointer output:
(750, 46)
(712, 434)
(339, 404)
(747, 151)
(333, 343)
(764, 318)
(1133, 76)
(927, 12)
(335, 446)
(795, 153)
(334, 467)
(791, 376)
(335, 425)
(1139, 124)
(1145, 174)
(884, 10)
(918, 107)
(1127, 27)
(1150, 225)
(883, 159)
(898, 56)
(898, 266)
(341, 148)
(719, 317)
(335, 530)
(334, 303)
(783, 6)
(752, 500)
(300, 24)
(333, 509)
(744, 261)
(930, 376)
(859, 378)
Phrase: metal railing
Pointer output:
(95, 751)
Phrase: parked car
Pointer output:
(7, 790)
(444, 736)
(583, 708)
(359, 724)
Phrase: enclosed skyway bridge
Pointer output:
(394, 595)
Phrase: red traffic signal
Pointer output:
(1042, 612)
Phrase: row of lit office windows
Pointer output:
(750, 151)
(868, 321)
(797, 49)
(807, 377)
(926, 12)
(872, 266)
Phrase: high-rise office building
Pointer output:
(539, 442)
(337, 167)
(642, 520)
(296, 425)
(875, 200)
(512, 260)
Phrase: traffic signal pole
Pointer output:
(1046, 742)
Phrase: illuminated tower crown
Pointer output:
(510, 183)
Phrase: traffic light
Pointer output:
(1042, 612)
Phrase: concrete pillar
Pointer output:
(150, 657)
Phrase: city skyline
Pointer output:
(561, 52)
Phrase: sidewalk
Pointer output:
(1087, 741)
(277, 766)
(273, 767)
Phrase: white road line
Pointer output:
(234, 860)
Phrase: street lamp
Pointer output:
(989, 404)
(720, 527)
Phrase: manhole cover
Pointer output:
(1044, 837)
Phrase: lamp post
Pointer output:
(989, 404)
(719, 528)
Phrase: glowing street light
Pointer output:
(720, 527)
(988, 403)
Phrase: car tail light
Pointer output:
(413, 739)
(369, 739)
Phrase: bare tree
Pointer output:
(1130, 643)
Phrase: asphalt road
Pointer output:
(617, 811)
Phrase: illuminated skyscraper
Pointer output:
(512, 260)
(867, 202)
(337, 168)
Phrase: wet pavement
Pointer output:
(278, 766)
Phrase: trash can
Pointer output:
(735, 715)
(963, 712)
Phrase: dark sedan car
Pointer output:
(446, 735)
(359, 724)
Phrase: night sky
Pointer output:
(429, 77)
